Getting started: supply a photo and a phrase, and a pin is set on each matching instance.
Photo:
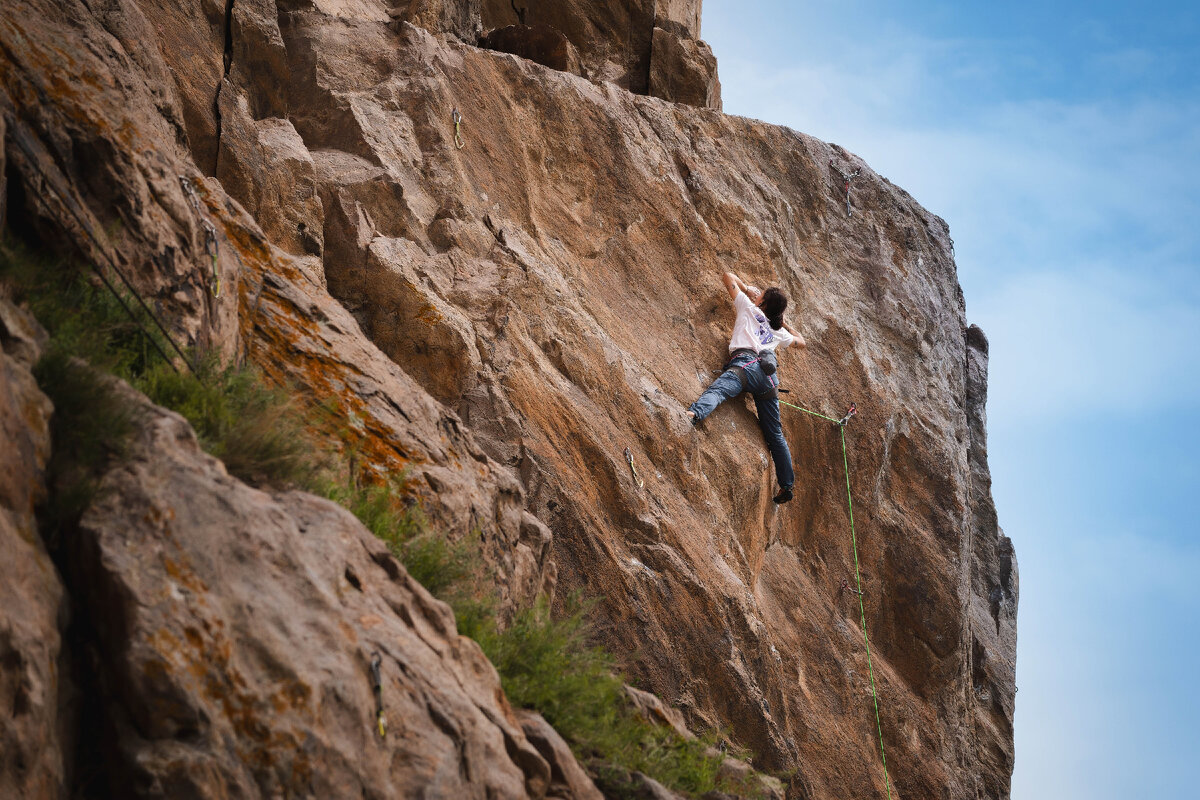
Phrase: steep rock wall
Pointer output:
(36, 726)
(545, 297)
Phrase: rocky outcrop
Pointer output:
(683, 70)
(541, 43)
(991, 664)
(645, 46)
(102, 160)
(234, 634)
(512, 314)
(460, 18)
(35, 723)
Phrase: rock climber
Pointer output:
(758, 332)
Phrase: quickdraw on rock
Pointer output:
(846, 587)
(457, 118)
(210, 234)
(377, 689)
(636, 478)
(846, 178)
(850, 412)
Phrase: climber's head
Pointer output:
(773, 303)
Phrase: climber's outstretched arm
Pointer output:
(734, 284)
(799, 339)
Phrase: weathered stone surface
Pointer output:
(646, 47)
(684, 70)
(34, 725)
(541, 43)
(994, 584)
(652, 709)
(458, 17)
(682, 13)
(567, 777)
(548, 295)
(266, 164)
(235, 632)
(739, 774)
(613, 38)
(633, 786)
(106, 150)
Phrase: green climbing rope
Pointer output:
(858, 579)
(863, 612)
(806, 411)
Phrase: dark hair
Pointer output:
(773, 304)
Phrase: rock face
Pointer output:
(234, 634)
(541, 43)
(645, 46)
(34, 725)
(512, 314)
(684, 70)
(107, 154)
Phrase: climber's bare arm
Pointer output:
(731, 284)
(799, 339)
(734, 284)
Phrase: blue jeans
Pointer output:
(728, 386)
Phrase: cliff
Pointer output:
(501, 315)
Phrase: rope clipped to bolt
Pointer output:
(637, 479)
(210, 233)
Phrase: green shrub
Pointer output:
(83, 318)
(257, 430)
(549, 665)
(440, 566)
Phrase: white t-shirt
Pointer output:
(752, 331)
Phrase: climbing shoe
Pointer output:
(784, 495)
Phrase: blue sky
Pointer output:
(1061, 141)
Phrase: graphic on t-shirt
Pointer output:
(765, 334)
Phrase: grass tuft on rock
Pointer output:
(549, 665)
(441, 566)
(259, 431)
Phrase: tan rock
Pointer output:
(458, 17)
(567, 777)
(35, 726)
(684, 70)
(742, 777)
(236, 633)
(651, 708)
(547, 296)
(541, 43)
(266, 165)
(612, 38)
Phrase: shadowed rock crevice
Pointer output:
(227, 62)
